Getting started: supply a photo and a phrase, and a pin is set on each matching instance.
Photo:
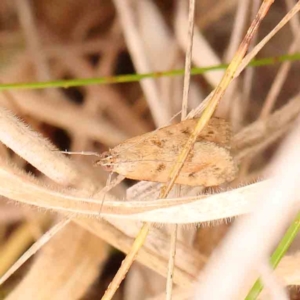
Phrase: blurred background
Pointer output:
(47, 40)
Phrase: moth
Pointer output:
(151, 156)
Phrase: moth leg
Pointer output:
(109, 185)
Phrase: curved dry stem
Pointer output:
(20, 187)
(38, 151)
(69, 117)
(261, 133)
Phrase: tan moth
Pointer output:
(151, 156)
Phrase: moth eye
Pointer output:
(106, 155)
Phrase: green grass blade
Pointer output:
(138, 77)
(277, 255)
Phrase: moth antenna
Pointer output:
(87, 153)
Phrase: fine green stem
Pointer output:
(138, 77)
(277, 255)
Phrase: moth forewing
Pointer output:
(151, 156)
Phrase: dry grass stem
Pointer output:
(21, 238)
(58, 259)
(281, 75)
(33, 249)
(219, 91)
(249, 56)
(208, 57)
(266, 39)
(249, 72)
(152, 256)
(68, 117)
(262, 132)
(216, 12)
(16, 135)
(156, 104)
(30, 30)
(184, 111)
(230, 106)
(56, 40)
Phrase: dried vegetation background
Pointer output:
(45, 40)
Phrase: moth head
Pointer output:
(106, 161)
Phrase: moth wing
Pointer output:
(150, 160)
(216, 130)
(152, 155)
(208, 165)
